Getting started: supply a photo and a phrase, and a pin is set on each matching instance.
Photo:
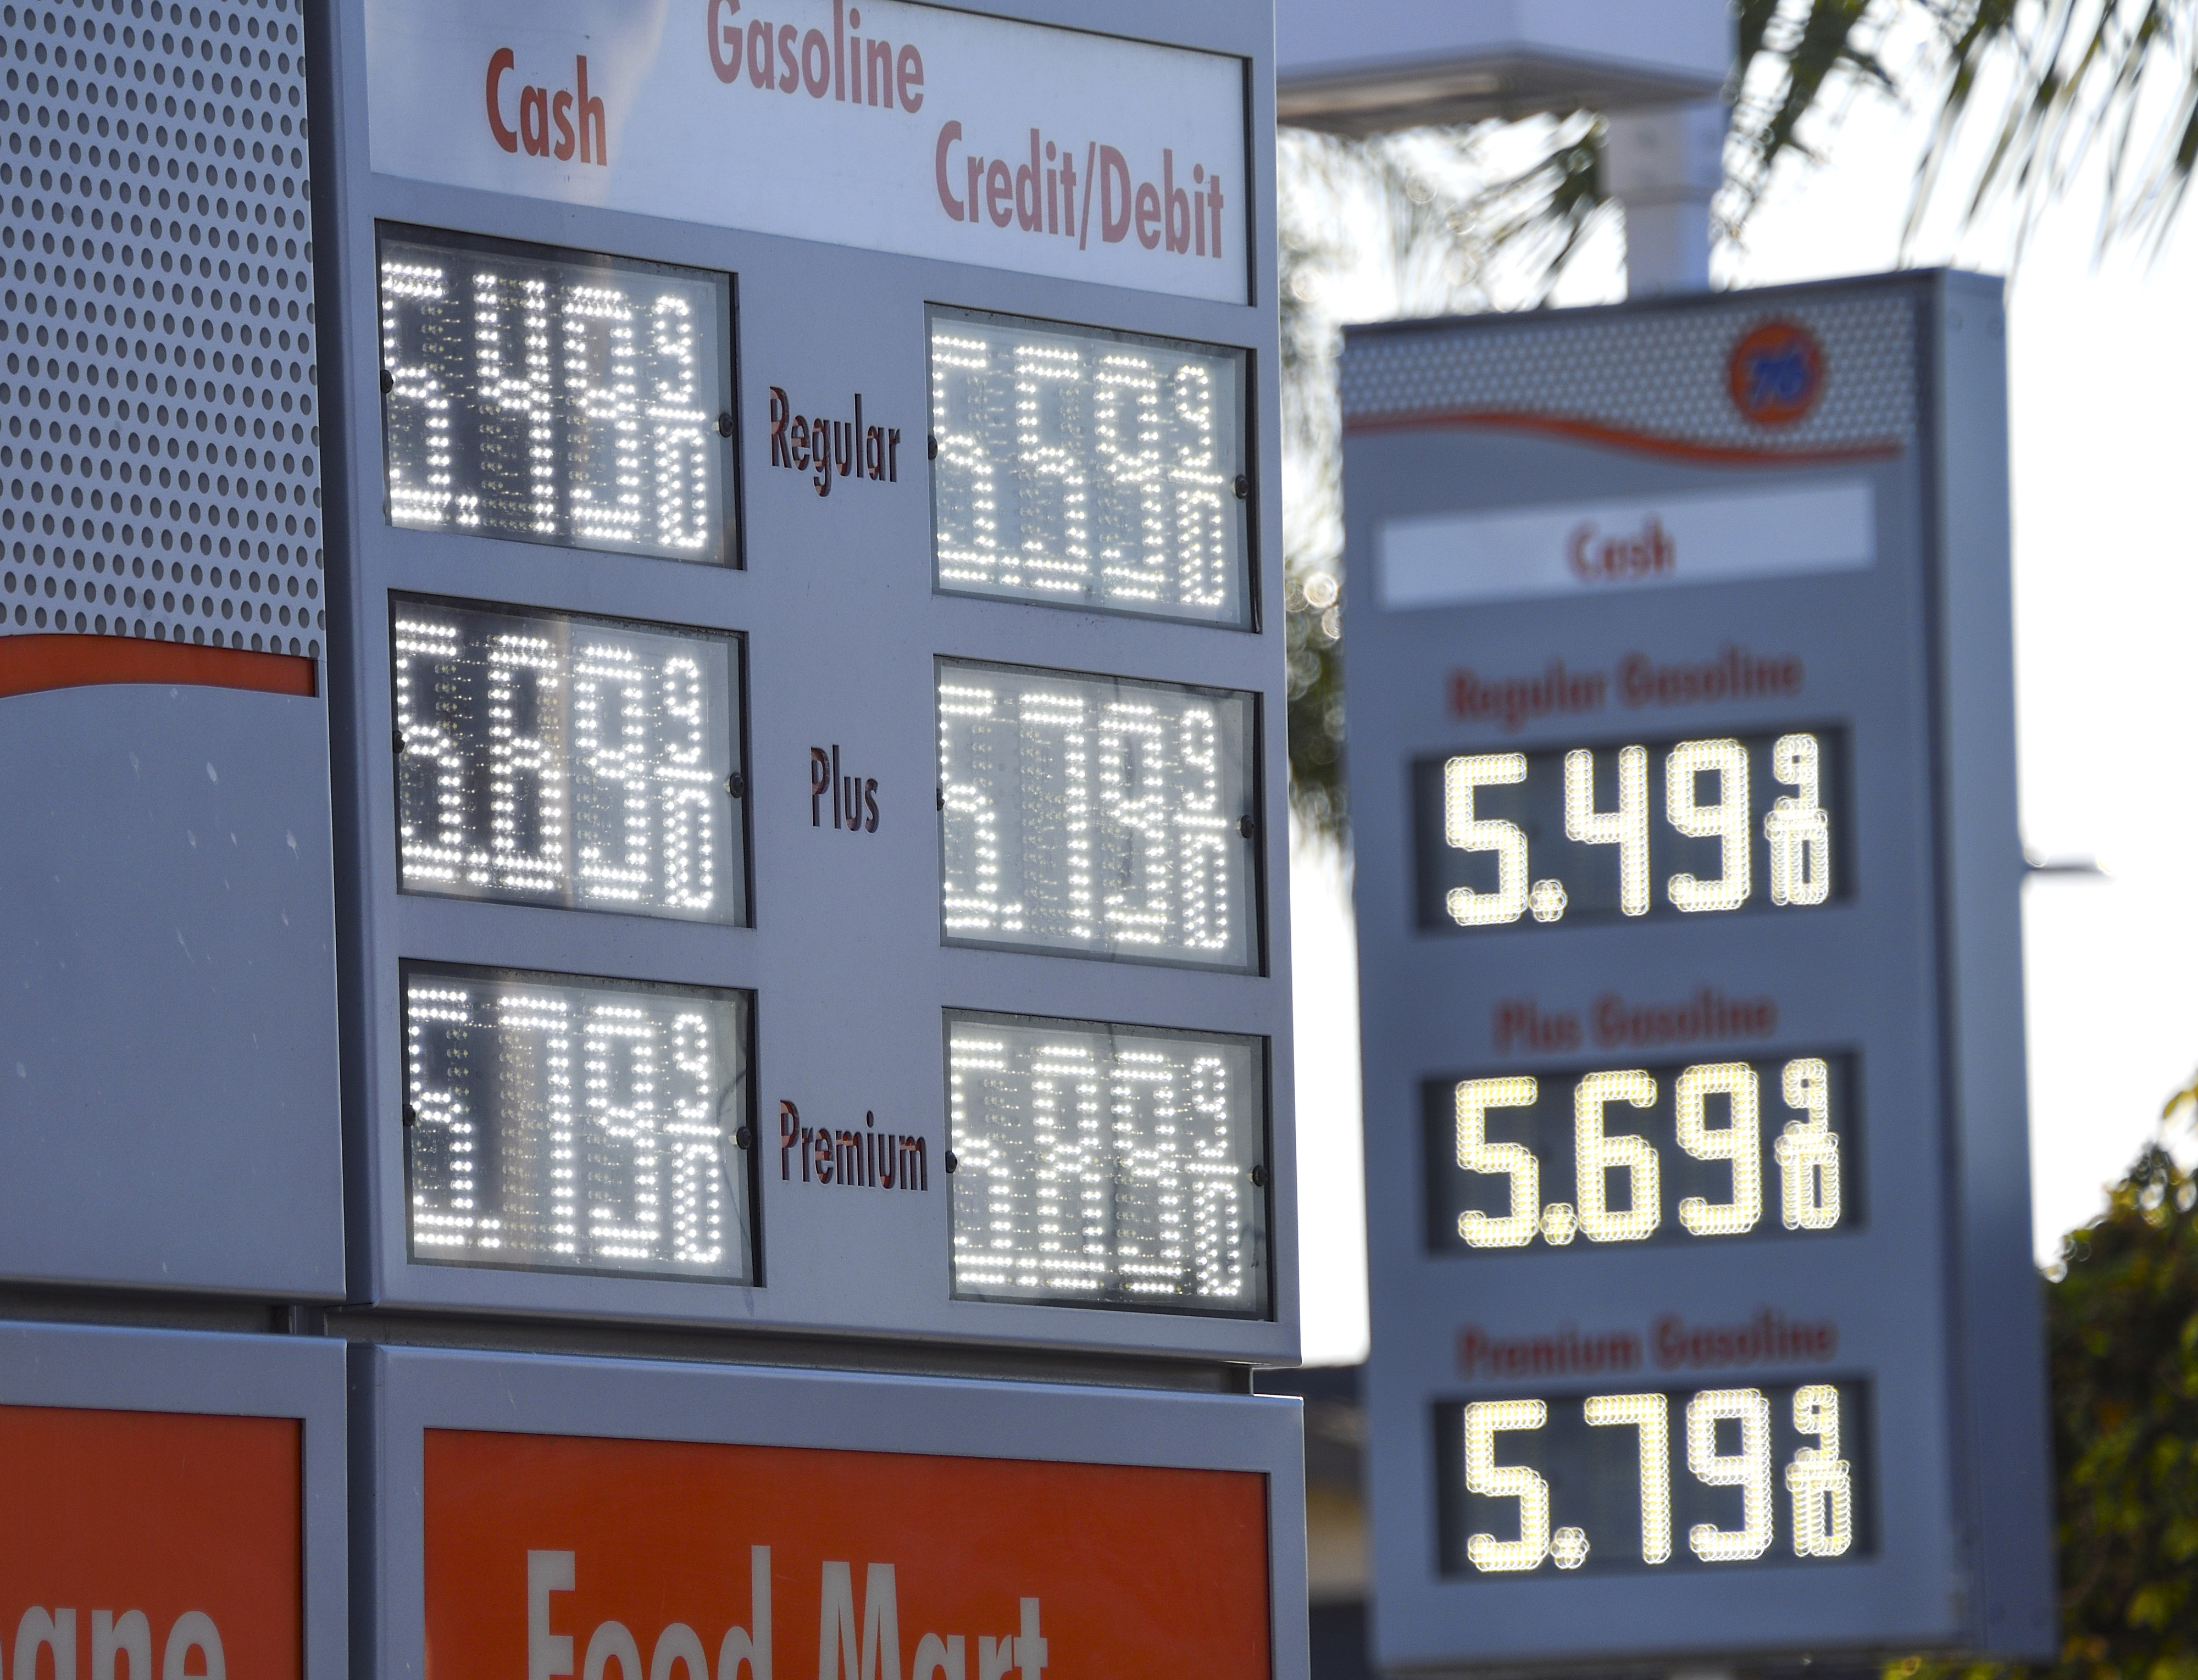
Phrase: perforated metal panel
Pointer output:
(159, 436)
(1662, 379)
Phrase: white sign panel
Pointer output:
(1519, 554)
(881, 125)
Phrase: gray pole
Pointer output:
(1664, 163)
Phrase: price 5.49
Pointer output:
(1684, 828)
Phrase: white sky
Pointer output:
(2101, 355)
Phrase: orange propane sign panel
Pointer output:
(550, 1556)
(145, 1543)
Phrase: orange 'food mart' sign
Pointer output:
(551, 1555)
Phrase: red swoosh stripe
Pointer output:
(1588, 431)
(32, 665)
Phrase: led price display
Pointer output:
(1098, 1165)
(1096, 816)
(545, 758)
(561, 397)
(1636, 1482)
(557, 1124)
(1665, 1155)
(1614, 833)
(1089, 468)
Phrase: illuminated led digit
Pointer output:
(1818, 1481)
(695, 1140)
(1071, 1162)
(1475, 1154)
(1740, 1143)
(1056, 864)
(1651, 1414)
(1138, 802)
(535, 1034)
(1594, 1154)
(1206, 865)
(614, 842)
(1484, 1421)
(415, 301)
(602, 383)
(686, 787)
(964, 480)
(1054, 500)
(972, 903)
(1748, 1470)
(1126, 430)
(511, 384)
(1202, 521)
(527, 826)
(622, 1081)
(444, 1140)
(428, 667)
(1725, 821)
(1461, 776)
(1799, 830)
(679, 423)
(1808, 1150)
(1626, 827)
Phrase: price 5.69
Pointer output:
(1634, 1154)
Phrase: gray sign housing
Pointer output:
(1683, 784)
(491, 868)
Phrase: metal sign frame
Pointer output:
(842, 625)
(1932, 1297)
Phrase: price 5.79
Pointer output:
(1609, 1482)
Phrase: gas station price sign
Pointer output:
(1631, 1482)
(652, 757)
(1106, 1165)
(1089, 469)
(589, 1128)
(719, 755)
(1662, 689)
(1689, 828)
(1712, 1149)
(550, 395)
(1097, 816)
(556, 759)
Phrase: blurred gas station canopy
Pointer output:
(1656, 69)
(1390, 64)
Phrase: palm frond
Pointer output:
(2025, 96)
(1792, 57)
(2068, 86)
